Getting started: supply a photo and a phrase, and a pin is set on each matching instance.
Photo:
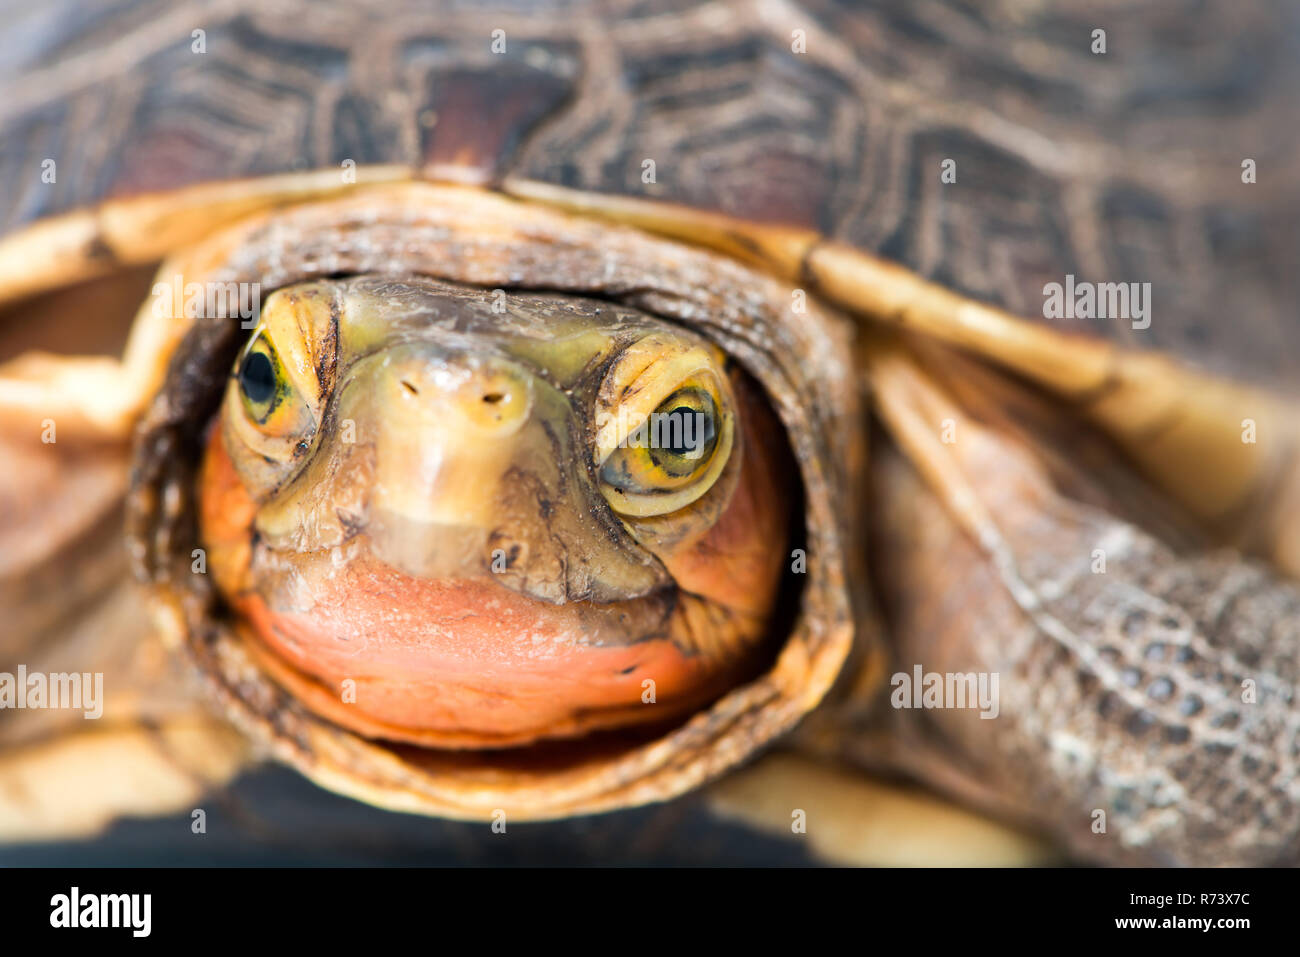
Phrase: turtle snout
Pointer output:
(468, 396)
(448, 429)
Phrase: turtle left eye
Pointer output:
(659, 462)
(669, 450)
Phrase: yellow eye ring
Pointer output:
(262, 382)
(670, 447)
(279, 385)
(665, 426)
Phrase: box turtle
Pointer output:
(879, 418)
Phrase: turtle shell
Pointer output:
(1107, 166)
(1068, 162)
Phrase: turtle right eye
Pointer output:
(278, 386)
(262, 382)
(274, 409)
(257, 378)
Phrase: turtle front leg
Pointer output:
(851, 819)
(71, 615)
(1145, 697)
(127, 733)
(76, 784)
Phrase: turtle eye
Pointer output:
(279, 385)
(274, 404)
(262, 382)
(665, 426)
(687, 432)
(273, 409)
(669, 449)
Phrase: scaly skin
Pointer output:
(1147, 694)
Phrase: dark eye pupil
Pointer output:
(689, 430)
(682, 439)
(257, 377)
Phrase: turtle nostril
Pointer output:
(410, 388)
(492, 398)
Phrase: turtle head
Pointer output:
(484, 519)
(452, 549)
